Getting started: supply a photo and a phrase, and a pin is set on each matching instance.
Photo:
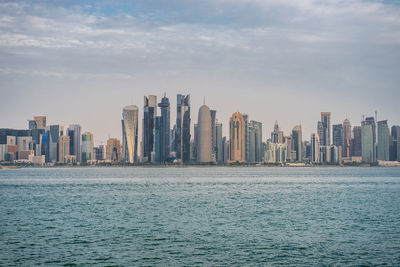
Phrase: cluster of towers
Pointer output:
(369, 142)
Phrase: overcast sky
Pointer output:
(284, 60)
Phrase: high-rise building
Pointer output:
(130, 133)
(289, 148)
(55, 132)
(321, 133)
(63, 148)
(277, 134)
(163, 131)
(74, 133)
(98, 152)
(337, 133)
(195, 142)
(315, 151)
(326, 123)
(87, 147)
(297, 143)
(246, 136)
(219, 142)
(32, 124)
(213, 114)
(113, 150)
(383, 141)
(346, 138)
(356, 142)
(395, 150)
(237, 134)
(40, 122)
(255, 142)
(182, 135)
(369, 121)
(204, 135)
(367, 143)
(148, 129)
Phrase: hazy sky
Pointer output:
(284, 60)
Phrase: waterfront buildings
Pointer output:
(74, 133)
(346, 138)
(315, 150)
(324, 129)
(63, 148)
(383, 141)
(163, 131)
(256, 148)
(148, 129)
(204, 135)
(237, 134)
(356, 142)
(368, 140)
(87, 147)
(337, 134)
(277, 134)
(129, 133)
(219, 143)
(113, 150)
(182, 134)
(297, 143)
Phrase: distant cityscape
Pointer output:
(371, 142)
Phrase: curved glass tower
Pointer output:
(130, 133)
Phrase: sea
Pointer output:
(200, 216)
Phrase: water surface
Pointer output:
(200, 216)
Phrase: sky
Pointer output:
(285, 60)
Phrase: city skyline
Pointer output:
(268, 59)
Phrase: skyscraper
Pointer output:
(297, 143)
(40, 122)
(204, 135)
(315, 151)
(113, 150)
(182, 135)
(346, 138)
(219, 142)
(63, 148)
(74, 133)
(369, 121)
(356, 142)
(163, 131)
(55, 132)
(237, 134)
(326, 123)
(256, 144)
(148, 130)
(337, 133)
(87, 147)
(129, 133)
(367, 143)
(321, 133)
(395, 133)
(277, 134)
(383, 141)
(246, 136)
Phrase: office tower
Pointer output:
(383, 141)
(356, 142)
(74, 133)
(337, 134)
(315, 151)
(163, 131)
(370, 121)
(195, 142)
(204, 135)
(129, 133)
(63, 148)
(336, 154)
(213, 114)
(225, 143)
(32, 124)
(256, 151)
(55, 132)
(40, 122)
(321, 133)
(367, 143)
(326, 123)
(277, 134)
(87, 147)
(395, 149)
(270, 152)
(237, 134)
(148, 130)
(346, 138)
(246, 137)
(297, 143)
(45, 145)
(182, 135)
(98, 152)
(219, 142)
(289, 148)
(113, 150)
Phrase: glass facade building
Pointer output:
(130, 133)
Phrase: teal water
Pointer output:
(200, 216)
